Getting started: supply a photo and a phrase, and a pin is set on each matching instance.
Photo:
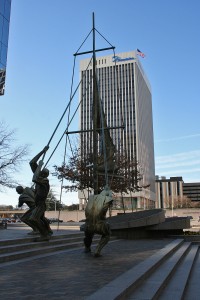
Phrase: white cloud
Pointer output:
(180, 172)
(178, 138)
(185, 164)
(178, 164)
(178, 157)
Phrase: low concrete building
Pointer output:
(174, 192)
(192, 190)
(168, 191)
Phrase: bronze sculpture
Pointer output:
(95, 213)
(27, 197)
(40, 178)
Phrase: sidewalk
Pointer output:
(71, 274)
(20, 230)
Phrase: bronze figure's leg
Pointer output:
(88, 239)
(26, 219)
(105, 231)
(103, 241)
(36, 218)
(46, 223)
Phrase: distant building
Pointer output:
(168, 191)
(192, 190)
(5, 7)
(126, 96)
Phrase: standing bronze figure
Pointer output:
(95, 213)
(40, 178)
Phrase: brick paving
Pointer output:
(72, 274)
(15, 231)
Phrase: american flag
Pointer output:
(140, 53)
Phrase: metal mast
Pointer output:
(95, 99)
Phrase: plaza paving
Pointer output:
(70, 274)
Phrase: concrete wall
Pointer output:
(193, 212)
(75, 216)
(66, 216)
(183, 212)
(80, 215)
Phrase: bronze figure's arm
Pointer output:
(35, 167)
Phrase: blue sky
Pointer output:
(45, 34)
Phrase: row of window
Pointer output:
(5, 6)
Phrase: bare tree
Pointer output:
(195, 204)
(52, 203)
(78, 171)
(11, 157)
(179, 202)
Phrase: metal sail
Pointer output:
(107, 148)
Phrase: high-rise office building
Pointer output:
(125, 93)
(5, 7)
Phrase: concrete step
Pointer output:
(192, 290)
(28, 248)
(176, 287)
(25, 245)
(171, 273)
(154, 284)
(31, 238)
(124, 285)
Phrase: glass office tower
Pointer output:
(126, 96)
(5, 7)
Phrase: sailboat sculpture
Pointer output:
(103, 163)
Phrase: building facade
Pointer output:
(192, 190)
(174, 192)
(125, 93)
(5, 8)
(168, 191)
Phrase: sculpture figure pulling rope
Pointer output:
(40, 178)
(27, 196)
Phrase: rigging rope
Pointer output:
(83, 42)
(69, 121)
(68, 124)
(104, 38)
(61, 186)
(71, 97)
